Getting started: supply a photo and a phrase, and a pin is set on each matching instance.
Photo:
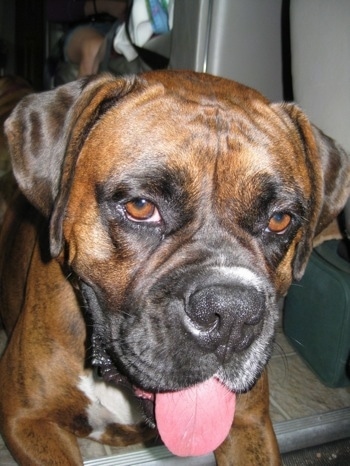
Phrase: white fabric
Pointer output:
(140, 29)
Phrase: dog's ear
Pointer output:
(37, 131)
(45, 134)
(328, 168)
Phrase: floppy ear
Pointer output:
(328, 168)
(46, 132)
(336, 178)
(335, 166)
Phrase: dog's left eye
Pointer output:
(279, 222)
(141, 210)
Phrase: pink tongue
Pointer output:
(195, 421)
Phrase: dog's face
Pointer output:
(185, 204)
(184, 226)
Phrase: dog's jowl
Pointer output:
(159, 220)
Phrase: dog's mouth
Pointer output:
(191, 422)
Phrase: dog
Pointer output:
(161, 218)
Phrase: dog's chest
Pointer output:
(108, 405)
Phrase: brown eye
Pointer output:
(141, 210)
(279, 222)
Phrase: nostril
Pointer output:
(202, 308)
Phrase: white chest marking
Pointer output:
(108, 405)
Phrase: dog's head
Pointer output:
(185, 204)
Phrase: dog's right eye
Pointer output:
(141, 210)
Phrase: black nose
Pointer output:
(225, 319)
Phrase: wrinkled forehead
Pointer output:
(196, 134)
(160, 121)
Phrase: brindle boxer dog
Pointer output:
(169, 212)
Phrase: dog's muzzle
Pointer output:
(191, 341)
